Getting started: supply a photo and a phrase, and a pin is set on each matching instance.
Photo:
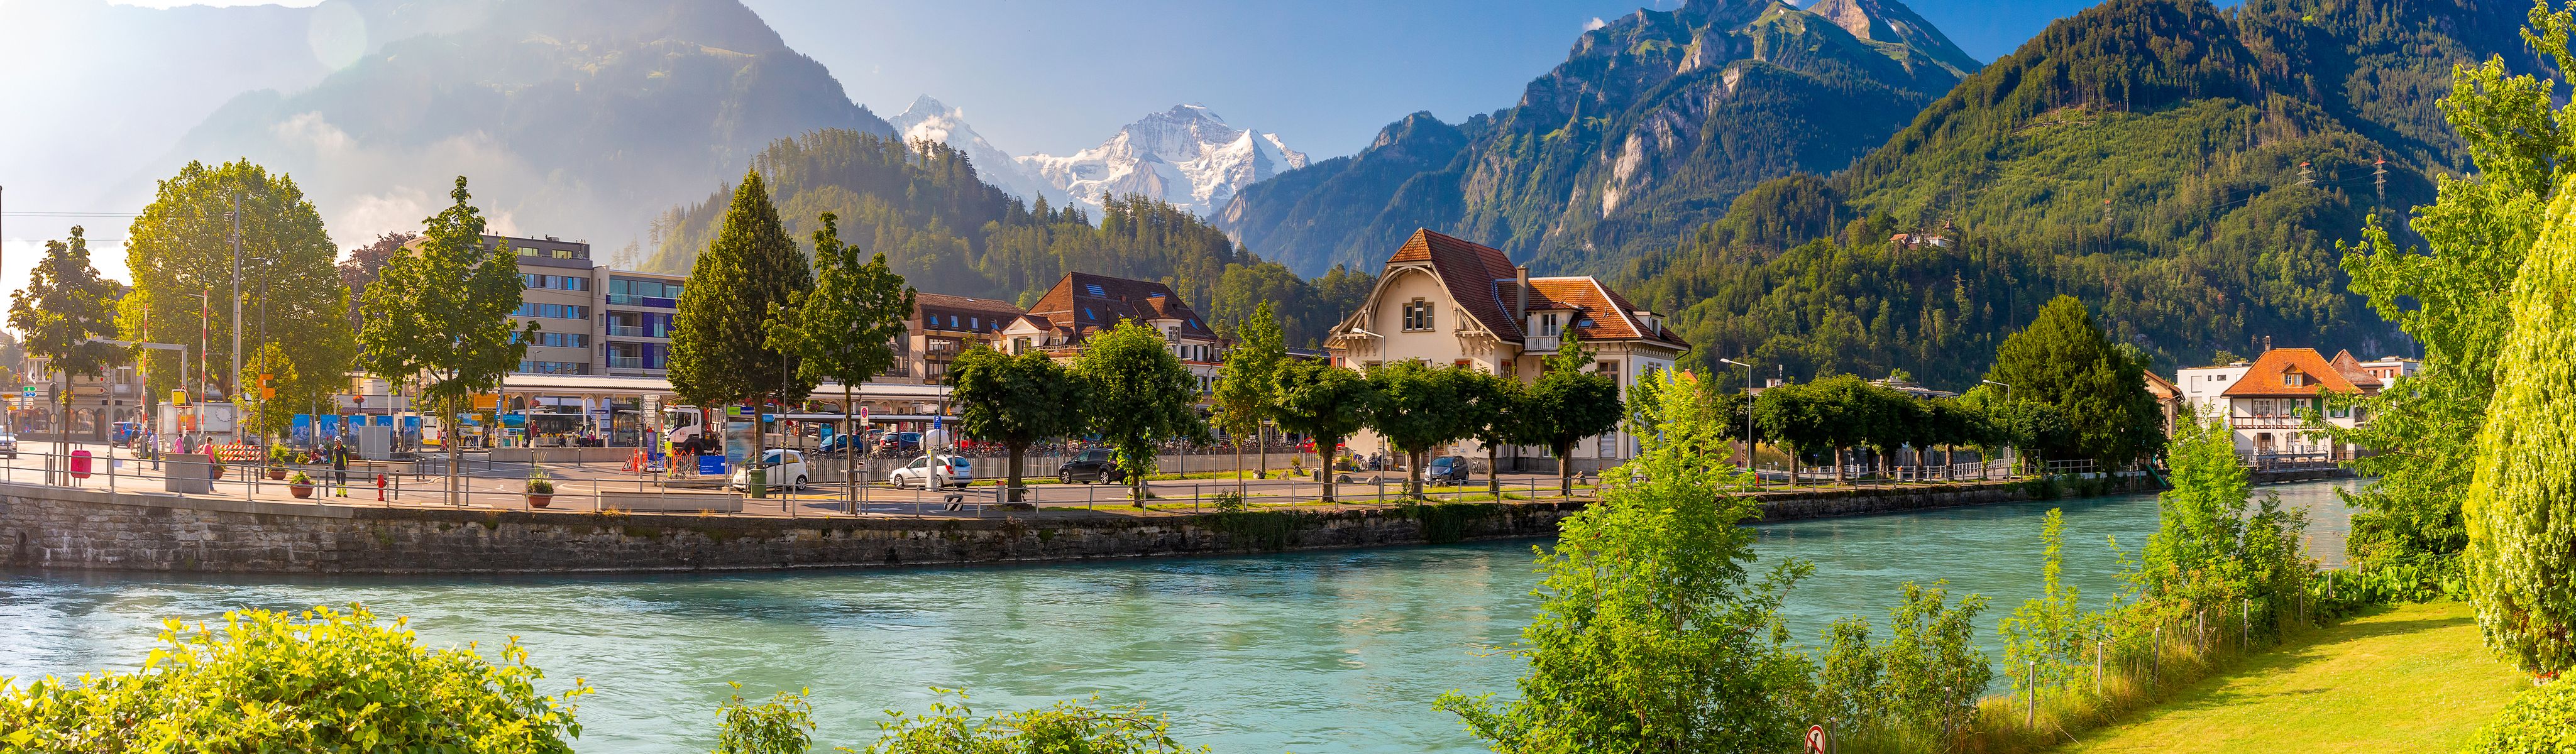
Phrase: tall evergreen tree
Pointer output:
(65, 307)
(721, 353)
(2521, 552)
(2066, 361)
(440, 313)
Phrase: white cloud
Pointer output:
(310, 128)
(1595, 23)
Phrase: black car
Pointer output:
(899, 442)
(1445, 470)
(1090, 466)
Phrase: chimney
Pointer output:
(1520, 297)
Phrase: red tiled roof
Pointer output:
(2267, 377)
(1610, 315)
(979, 314)
(1474, 274)
(1071, 305)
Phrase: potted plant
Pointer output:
(300, 485)
(278, 457)
(540, 492)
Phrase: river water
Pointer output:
(1313, 652)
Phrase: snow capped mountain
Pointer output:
(930, 120)
(1186, 156)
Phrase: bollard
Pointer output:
(2030, 676)
(380, 488)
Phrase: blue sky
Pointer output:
(1057, 76)
(1061, 75)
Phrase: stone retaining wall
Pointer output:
(53, 527)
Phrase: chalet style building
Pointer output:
(943, 326)
(1444, 300)
(1083, 304)
(2263, 400)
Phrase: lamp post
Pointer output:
(2014, 456)
(1748, 413)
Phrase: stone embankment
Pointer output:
(54, 527)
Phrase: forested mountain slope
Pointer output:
(946, 231)
(2186, 171)
(1649, 127)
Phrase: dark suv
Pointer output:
(1445, 470)
(1090, 466)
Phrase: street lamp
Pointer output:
(2015, 459)
(1748, 412)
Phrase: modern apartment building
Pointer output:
(591, 319)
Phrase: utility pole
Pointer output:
(235, 375)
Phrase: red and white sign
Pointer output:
(1815, 739)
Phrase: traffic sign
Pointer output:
(179, 397)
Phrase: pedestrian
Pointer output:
(340, 468)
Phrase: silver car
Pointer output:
(943, 470)
(9, 445)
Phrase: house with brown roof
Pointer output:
(1083, 304)
(1445, 300)
(2265, 401)
(943, 326)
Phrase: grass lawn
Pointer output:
(2410, 678)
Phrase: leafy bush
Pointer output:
(540, 486)
(280, 455)
(1652, 634)
(2537, 720)
(1921, 685)
(1229, 502)
(320, 680)
(299, 478)
(1063, 727)
(782, 725)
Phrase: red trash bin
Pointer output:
(80, 464)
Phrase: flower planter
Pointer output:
(539, 501)
(218, 471)
(277, 474)
(300, 491)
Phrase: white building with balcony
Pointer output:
(2266, 401)
(1444, 300)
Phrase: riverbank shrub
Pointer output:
(782, 725)
(319, 680)
(1653, 634)
(953, 728)
(1916, 691)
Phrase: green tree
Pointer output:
(1934, 670)
(322, 680)
(2520, 552)
(1419, 407)
(1652, 636)
(1140, 395)
(1793, 416)
(2452, 296)
(2046, 629)
(1326, 403)
(268, 416)
(1497, 414)
(64, 308)
(1570, 402)
(1015, 401)
(440, 313)
(292, 293)
(721, 353)
(2066, 361)
(1244, 398)
(844, 329)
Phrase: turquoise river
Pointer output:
(1312, 652)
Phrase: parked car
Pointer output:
(1090, 466)
(947, 470)
(124, 434)
(1445, 470)
(834, 447)
(9, 445)
(900, 442)
(786, 469)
